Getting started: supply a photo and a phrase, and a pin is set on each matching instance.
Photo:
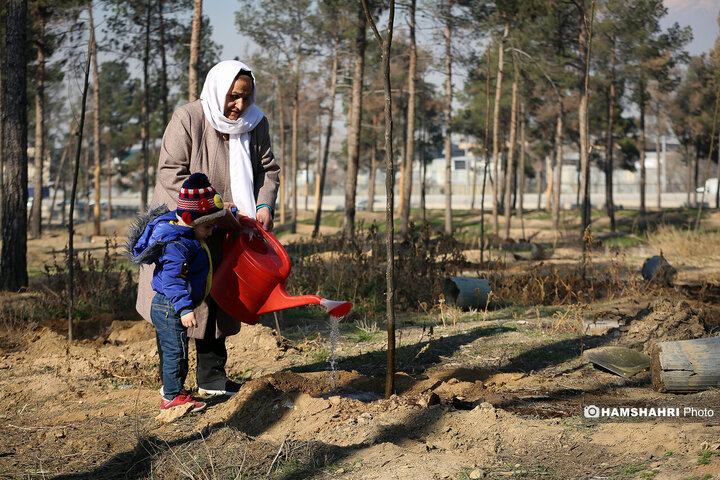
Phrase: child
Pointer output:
(175, 243)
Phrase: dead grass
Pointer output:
(684, 243)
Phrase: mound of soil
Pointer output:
(664, 320)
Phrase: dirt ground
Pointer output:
(486, 394)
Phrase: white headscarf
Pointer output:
(217, 83)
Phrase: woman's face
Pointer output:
(238, 97)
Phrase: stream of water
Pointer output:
(334, 336)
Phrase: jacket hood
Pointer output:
(149, 234)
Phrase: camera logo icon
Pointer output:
(591, 411)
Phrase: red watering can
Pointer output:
(250, 280)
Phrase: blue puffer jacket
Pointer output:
(181, 262)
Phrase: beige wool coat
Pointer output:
(190, 144)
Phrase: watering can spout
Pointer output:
(280, 299)
(251, 279)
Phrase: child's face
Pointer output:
(204, 230)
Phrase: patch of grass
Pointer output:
(705, 456)
(320, 355)
(677, 242)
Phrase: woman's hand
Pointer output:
(264, 216)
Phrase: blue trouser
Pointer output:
(172, 342)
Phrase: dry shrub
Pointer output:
(99, 285)
(679, 242)
(358, 274)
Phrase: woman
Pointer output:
(227, 137)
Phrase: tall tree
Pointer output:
(194, 51)
(284, 29)
(448, 117)
(13, 260)
(40, 14)
(389, 187)
(96, 125)
(354, 122)
(410, 141)
(511, 147)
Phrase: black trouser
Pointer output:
(211, 356)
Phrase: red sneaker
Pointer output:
(182, 399)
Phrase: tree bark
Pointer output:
(195, 51)
(448, 120)
(96, 127)
(410, 140)
(511, 149)
(496, 126)
(328, 135)
(13, 259)
(354, 127)
(36, 211)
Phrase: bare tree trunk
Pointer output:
(108, 162)
(373, 163)
(36, 212)
(657, 156)
(86, 170)
(13, 260)
(521, 167)
(195, 52)
(283, 185)
(354, 127)
(294, 145)
(485, 156)
(163, 64)
(410, 141)
(511, 149)
(609, 204)
(96, 127)
(558, 168)
(643, 174)
(146, 115)
(328, 135)
(496, 126)
(448, 119)
(389, 187)
(585, 45)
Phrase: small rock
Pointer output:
(335, 400)
(453, 381)
(172, 414)
(428, 399)
(340, 470)
(477, 473)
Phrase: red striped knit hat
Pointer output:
(198, 201)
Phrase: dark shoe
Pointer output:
(231, 388)
(182, 399)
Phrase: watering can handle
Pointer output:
(274, 243)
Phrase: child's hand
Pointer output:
(188, 320)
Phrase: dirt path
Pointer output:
(485, 395)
